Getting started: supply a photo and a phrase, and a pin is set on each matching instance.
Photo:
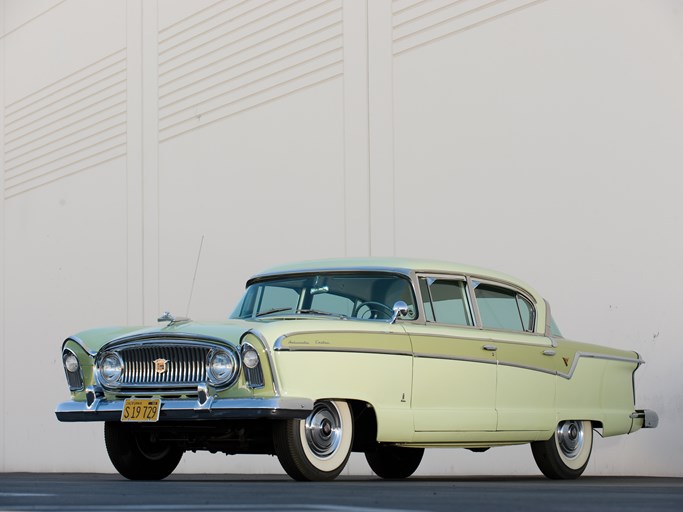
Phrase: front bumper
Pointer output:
(188, 409)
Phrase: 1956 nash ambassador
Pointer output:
(385, 357)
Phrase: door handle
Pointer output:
(548, 352)
(490, 348)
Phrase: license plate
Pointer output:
(141, 409)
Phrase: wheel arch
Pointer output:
(365, 425)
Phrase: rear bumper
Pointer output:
(645, 418)
(188, 409)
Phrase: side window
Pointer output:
(554, 329)
(502, 308)
(445, 301)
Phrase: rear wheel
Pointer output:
(565, 455)
(394, 461)
(138, 454)
(318, 447)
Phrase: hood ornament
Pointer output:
(168, 317)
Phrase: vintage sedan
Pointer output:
(381, 356)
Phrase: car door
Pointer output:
(454, 376)
(527, 362)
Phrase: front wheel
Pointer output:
(318, 447)
(565, 455)
(138, 454)
(394, 462)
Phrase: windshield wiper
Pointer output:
(318, 312)
(272, 311)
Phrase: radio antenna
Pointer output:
(194, 278)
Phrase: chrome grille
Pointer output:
(184, 365)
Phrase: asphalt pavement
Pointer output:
(266, 493)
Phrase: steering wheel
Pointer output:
(375, 309)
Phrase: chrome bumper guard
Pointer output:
(649, 417)
(188, 409)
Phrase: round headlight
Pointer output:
(250, 358)
(111, 367)
(221, 367)
(71, 362)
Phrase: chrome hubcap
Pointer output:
(323, 430)
(570, 438)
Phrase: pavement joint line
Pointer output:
(207, 507)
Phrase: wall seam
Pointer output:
(3, 399)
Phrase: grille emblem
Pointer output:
(160, 365)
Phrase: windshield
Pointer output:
(366, 296)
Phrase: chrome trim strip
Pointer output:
(446, 277)
(277, 346)
(331, 270)
(253, 376)
(79, 375)
(592, 355)
(473, 304)
(482, 339)
(504, 284)
(178, 409)
(426, 355)
(81, 344)
(530, 368)
(314, 348)
(166, 337)
(266, 348)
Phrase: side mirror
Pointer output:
(400, 309)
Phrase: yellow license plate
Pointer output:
(141, 409)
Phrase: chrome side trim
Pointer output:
(314, 348)
(266, 348)
(540, 337)
(179, 409)
(253, 376)
(592, 355)
(425, 355)
(74, 380)
(81, 344)
(277, 346)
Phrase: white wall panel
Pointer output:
(553, 153)
(65, 230)
(44, 51)
(258, 190)
(57, 281)
(16, 14)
